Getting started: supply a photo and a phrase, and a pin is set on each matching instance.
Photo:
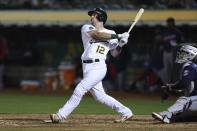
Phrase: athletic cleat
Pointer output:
(55, 118)
(166, 120)
(123, 119)
(157, 116)
(160, 117)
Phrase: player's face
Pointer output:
(181, 54)
(93, 18)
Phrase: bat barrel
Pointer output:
(137, 17)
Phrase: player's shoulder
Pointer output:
(177, 30)
(194, 66)
(191, 67)
(87, 27)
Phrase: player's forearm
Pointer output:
(102, 35)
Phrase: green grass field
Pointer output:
(50, 104)
(30, 104)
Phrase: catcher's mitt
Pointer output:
(167, 90)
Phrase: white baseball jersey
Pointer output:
(94, 49)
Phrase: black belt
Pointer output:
(91, 61)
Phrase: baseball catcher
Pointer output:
(186, 105)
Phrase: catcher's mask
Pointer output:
(101, 14)
(186, 54)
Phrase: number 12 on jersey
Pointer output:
(100, 49)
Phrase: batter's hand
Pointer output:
(123, 39)
(123, 35)
(123, 42)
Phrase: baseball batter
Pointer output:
(185, 106)
(97, 42)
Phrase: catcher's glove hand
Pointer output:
(165, 91)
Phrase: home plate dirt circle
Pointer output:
(89, 122)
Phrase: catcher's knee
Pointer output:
(181, 105)
(185, 101)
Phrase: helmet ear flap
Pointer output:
(100, 18)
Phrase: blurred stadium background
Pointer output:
(43, 37)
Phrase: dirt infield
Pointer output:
(89, 122)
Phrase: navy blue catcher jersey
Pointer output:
(189, 79)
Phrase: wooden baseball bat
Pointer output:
(137, 17)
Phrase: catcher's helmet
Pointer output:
(101, 14)
(186, 53)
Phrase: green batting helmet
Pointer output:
(101, 14)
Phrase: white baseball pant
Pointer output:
(92, 81)
(184, 105)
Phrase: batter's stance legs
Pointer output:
(100, 96)
(92, 82)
